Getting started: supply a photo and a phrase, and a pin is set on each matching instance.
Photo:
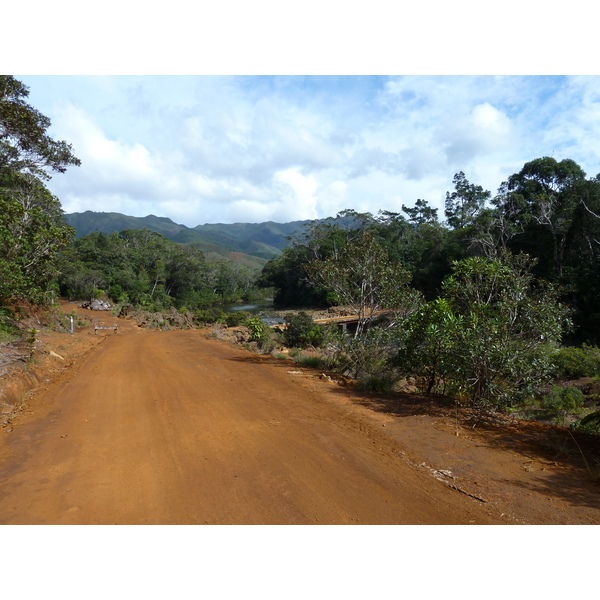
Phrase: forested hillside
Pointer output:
(145, 269)
(236, 241)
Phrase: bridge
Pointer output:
(347, 321)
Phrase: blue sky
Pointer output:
(211, 149)
(234, 143)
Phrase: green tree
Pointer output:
(427, 340)
(138, 266)
(492, 337)
(25, 145)
(32, 231)
(32, 226)
(362, 277)
(465, 202)
(494, 228)
(301, 331)
(318, 241)
(421, 213)
(546, 194)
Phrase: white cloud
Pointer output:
(208, 149)
(332, 199)
(296, 195)
(483, 131)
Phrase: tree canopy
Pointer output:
(361, 276)
(25, 145)
(548, 210)
(32, 227)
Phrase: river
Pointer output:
(263, 308)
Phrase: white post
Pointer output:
(72, 329)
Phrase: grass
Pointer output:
(559, 446)
(6, 337)
(311, 362)
(381, 383)
(8, 329)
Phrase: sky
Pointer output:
(208, 149)
(245, 112)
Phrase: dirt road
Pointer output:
(174, 428)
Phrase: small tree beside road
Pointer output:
(361, 276)
(491, 338)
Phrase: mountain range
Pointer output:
(247, 244)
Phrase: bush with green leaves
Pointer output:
(563, 399)
(311, 362)
(237, 318)
(209, 315)
(364, 358)
(302, 331)
(260, 333)
(589, 424)
(426, 344)
(578, 362)
(8, 327)
(490, 339)
(382, 382)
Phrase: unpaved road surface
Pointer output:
(174, 427)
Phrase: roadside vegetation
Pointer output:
(495, 307)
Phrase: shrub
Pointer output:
(260, 333)
(491, 338)
(115, 292)
(578, 362)
(237, 318)
(362, 358)
(8, 327)
(302, 331)
(382, 383)
(563, 399)
(209, 315)
(589, 423)
(311, 362)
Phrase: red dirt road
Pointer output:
(150, 427)
(174, 428)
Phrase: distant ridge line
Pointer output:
(255, 242)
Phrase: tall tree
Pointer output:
(494, 227)
(545, 191)
(421, 213)
(25, 145)
(32, 226)
(319, 240)
(465, 202)
(32, 231)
